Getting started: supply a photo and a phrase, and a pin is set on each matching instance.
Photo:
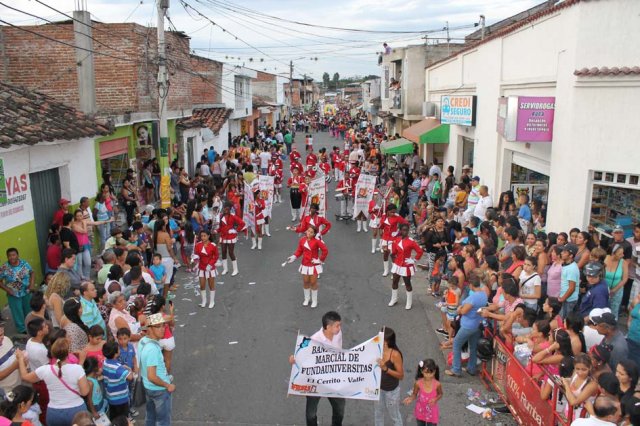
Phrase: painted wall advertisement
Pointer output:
(459, 110)
(526, 118)
(321, 370)
(15, 197)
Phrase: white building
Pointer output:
(585, 56)
(237, 94)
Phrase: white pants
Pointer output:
(167, 262)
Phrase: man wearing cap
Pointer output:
(569, 279)
(64, 208)
(606, 325)
(597, 295)
(155, 378)
(590, 332)
(466, 178)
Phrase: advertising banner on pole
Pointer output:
(322, 370)
(364, 193)
(266, 186)
(248, 213)
(317, 195)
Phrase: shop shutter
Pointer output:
(532, 163)
(45, 193)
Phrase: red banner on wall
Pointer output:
(524, 395)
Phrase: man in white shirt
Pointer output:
(265, 156)
(484, 202)
(36, 350)
(606, 412)
(9, 372)
(331, 335)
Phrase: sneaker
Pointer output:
(442, 331)
(133, 412)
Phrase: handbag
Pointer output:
(139, 396)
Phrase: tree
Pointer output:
(336, 79)
(326, 79)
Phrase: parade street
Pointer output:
(230, 364)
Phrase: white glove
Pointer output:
(395, 234)
(233, 231)
(316, 262)
(209, 268)
(410, 262)
(194, 258)
(291, 259)
(318, 236)
(219, 262)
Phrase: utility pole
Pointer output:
(304, 88)
(290, 88)
(448, 40)
(163, 94)
(482, 27)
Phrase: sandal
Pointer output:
(451, 373)
(446, 345)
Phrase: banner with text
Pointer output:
(364, 193)
(321, 370)
(317, 195)
(266, 186)
(249, 212)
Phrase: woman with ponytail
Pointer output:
(66, 383)
(16, 404)
(77, 331)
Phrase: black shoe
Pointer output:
(503, 409)
(443, 332)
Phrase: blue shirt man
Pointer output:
(597, 295)
(569, 279)
(211, 155)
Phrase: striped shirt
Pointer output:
(115, 379)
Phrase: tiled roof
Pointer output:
(511, 28)
(28, 117)
(602, 71)
(261, 101)
(212, 118)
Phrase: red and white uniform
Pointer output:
(354, 174)
(275, 159)
(401, 249)
(389, 224)
(304, 191)
(335, 157)
(312, 251)
(325, 167)
(277, 175)
(310, 173)
(259, 206)
(375, 213)
(312, 160)
(294, 156)
(295, 181)
(296, 165)
(343, 186)
(316, 221)
(207, 255)
(340, 163)
(230, 225)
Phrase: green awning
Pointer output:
(439, 134)
(398, 146)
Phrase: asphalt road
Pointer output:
(230, 364)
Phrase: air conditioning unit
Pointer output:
(429, 109)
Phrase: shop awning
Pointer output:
(398, 146)
(428, 130)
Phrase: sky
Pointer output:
(244, 35)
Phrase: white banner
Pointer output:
(364, 193)
(267, 190)
(321, 370)
(249, 210)
(317, 193)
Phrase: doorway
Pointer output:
(45, 193)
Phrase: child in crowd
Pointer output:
(101, 300)
(96, 342)
(427, 391)
(437, 272)
(116, 376)
(96, 402)
(449, 309)
(115, 239)
(581, 387)
(158, 272)
(127, 357)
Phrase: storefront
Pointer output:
(615, 200)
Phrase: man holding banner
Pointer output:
(363, 194)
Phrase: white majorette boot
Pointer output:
(234, 263)
(364, 226)
(386, 268)
(253, 241)
(266, 230)
(314, 298)
(307, 297)
(359, 225)
(409, 300)
(225, 268)
(373, 245)
(394, 297)
(259, 243)
(293, 215)
(203, 296)
(212, 299)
